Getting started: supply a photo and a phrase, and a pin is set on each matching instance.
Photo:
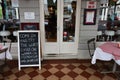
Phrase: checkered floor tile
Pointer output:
(58, 70)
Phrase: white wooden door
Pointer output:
(59, 26)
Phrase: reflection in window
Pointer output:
(69, 20)
(103, 11)
(50, 14)
(9, 18)
(109, 21)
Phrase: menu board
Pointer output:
(28, 48)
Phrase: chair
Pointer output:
(4, 50)
(91, 46)
(99, 34)
(109, 34)
(6, 40)
(3, 61)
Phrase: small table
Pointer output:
(105, 56)
(4, 34)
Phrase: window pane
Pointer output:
(69, 17)
(50, 14)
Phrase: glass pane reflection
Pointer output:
(50, 11)
(69, 20)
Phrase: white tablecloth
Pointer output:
(8, 55)
(99, 54)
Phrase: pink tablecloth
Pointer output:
(111, 48)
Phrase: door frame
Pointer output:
(41, 5)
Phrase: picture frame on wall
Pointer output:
(29, 26)
(89, 16)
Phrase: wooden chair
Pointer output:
(91, 46)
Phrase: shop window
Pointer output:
(109, 20)
(9, 18)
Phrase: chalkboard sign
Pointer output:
(28, 49)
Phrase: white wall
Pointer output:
(29, 6)
(86, 32)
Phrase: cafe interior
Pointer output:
(66, 39)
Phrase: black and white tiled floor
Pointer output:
(58, 70)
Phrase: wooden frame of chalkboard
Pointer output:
(29, 49)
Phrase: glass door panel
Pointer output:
(59, 26)
(69, 13)
(50, 20)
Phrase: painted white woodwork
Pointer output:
(60, 47)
